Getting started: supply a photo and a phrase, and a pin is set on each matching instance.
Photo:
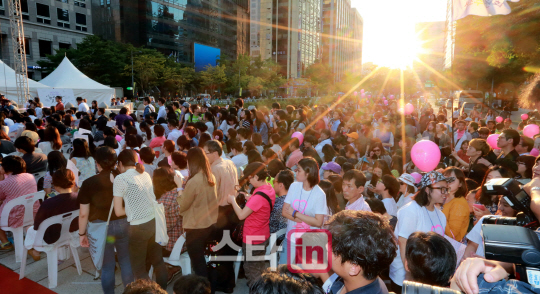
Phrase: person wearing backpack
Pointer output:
(256, 214)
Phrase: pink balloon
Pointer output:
(362, 91)
(391, 96)
(409, 108)
(363, 95)
(385, 102)
(426, 155)
(417, 177)
(524, 116)
(535, 152)
(298, 135)
(499, 119)
(492, 141)
(118, 138)
(369, 96)
(355, 93)
(531, 130)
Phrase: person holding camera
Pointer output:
(256, 214)
(422, 215)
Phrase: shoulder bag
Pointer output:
(238, 233)
(97, 237)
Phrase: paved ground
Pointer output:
(69, 281)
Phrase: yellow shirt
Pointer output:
(457, 218)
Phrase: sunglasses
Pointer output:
(444, 190)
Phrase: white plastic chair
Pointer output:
(65, 148)
(65, 220)
(28, 202)
(177, 258)
(15, 134)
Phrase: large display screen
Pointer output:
(205, 55)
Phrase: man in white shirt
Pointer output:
(325, 140)
(174, 131)
(388, 188)
(239, 159)
(82, 105)
(353, 187)
(162, 112)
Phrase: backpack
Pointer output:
(238, 233)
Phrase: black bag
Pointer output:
(238, 233)
(220, 276)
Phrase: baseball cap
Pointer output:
(433, 177)
(353, 135)
(332, 166)
(185, 104)
(407, 179)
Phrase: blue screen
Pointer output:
(205, 55)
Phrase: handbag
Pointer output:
(238, 233)
(97, 237)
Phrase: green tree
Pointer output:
(213, 77)
(176, 76)
(148, 67)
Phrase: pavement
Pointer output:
(69, 281)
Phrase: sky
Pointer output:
(389, 38)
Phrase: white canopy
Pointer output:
(66, 75)
(8, 84)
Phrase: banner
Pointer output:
(48, 95)
(462, 8)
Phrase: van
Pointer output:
(476, 97)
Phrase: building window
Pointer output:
(79, 3)
(26, 46)
(80, 20)
(63, 1)
(64, 45)
(43, 14)
(45, 48)
(2, 11)
(24, 10)
(63, 17)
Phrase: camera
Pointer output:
(516, 198)
(515, 241)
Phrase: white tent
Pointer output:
(8, 84)
(66, 75)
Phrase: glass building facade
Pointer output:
(172, 26)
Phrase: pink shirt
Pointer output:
(359, 204)
(157, 142)
(258, 222)
(294, 158)
(15, 186)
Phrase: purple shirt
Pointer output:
(121, 118)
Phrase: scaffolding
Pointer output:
(18, 51)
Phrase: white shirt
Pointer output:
(240, 160)
(320, 146)
(210, 126)
(137, 191)
(84, 107)
(403, 200)
(477, 237)
(359, 204)
(173, 135)
(391, 206)
(413, 218)
(39, 112)
(162, 112)
(309, 203)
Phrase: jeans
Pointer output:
(117, 237)
(283, 254)
(142, 247)
(196, 240)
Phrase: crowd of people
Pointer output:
(253, 171)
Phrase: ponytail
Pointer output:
(129, 157)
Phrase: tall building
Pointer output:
(287, 31)
(173, 27)
(342, 37)
(432, 37)
(49, 25)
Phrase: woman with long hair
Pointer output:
(95, 198)
(490, 116)
(377, 151)
(146, 131)
(134, 188)
(83, 160)
(525, 165)
(380, 168)
(430, 131)
(260, 126)
(199, 207)
(56, 161)
(490, 202)
(305, 205)
(51, 140)
(456, 208)
(300, 120)
(166, 193)
(246, 121)
(170, 112)
(331, 199)
(422, 214)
